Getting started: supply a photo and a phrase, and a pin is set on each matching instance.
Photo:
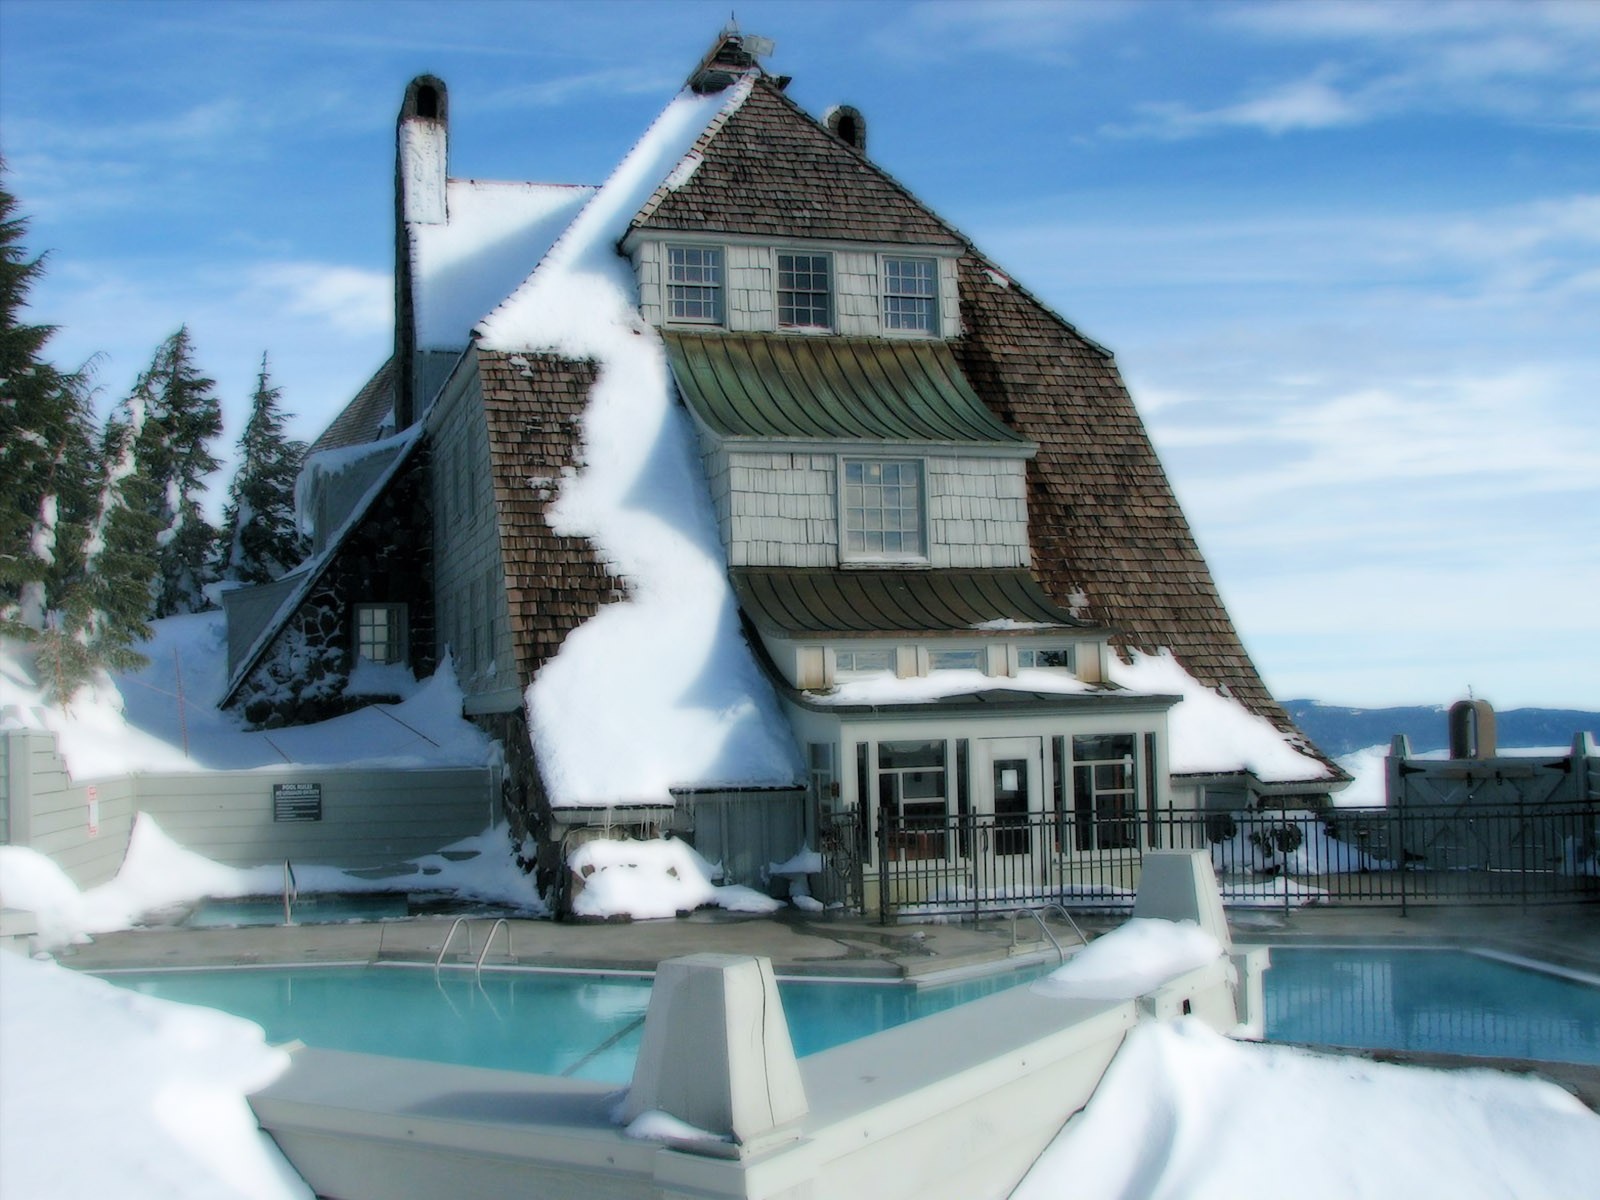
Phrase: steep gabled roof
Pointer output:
(771, 171)
(1103, 523)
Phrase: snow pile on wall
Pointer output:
(1132, 960)
(658, 691)
(158, 875)
(109, 1093)
(658, 878)
(1185, 1112)
(1212, 733)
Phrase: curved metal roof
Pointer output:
(812, 602)
(785, 387)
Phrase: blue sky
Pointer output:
(1348, 255)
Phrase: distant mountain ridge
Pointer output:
(1339, 730)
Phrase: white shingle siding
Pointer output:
(780, 510)
(750, 286)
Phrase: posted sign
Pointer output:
(297, 802)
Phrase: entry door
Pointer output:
(1009, 803)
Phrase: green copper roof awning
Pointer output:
(830, 388)
(808, 602)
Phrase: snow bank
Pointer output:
(658, 878)
(1184, 1112)
(659, 690)
(109, 1093)
(1132, 960)
(142, 720)
(158, 875)
(1209, 732)
(1295, 841)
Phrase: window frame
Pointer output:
(397, 633)
(886, 295)
(866, 555)
(827, 291)
(718, 290)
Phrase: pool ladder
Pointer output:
(465, 925)
(291, 893)
(1037, 915)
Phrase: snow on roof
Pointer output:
(493, 234)
(1209, 733)
(658, 691)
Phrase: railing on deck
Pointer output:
(976, 864)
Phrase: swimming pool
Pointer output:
(1452, 1001)
(588, 1026)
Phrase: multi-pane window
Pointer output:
(805, 291)
(380, 632)
(1051, 659)
(956, 660)
(694, 284)
(1106, 792)
(910, 294)
(911, 787)
(883, 509)
(862, 662)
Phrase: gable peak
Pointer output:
(732, 55)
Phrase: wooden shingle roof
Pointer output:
(776, 387)
(364, 419)
(775, 172)
(554, 582)
(1104, 524)
(813, 602)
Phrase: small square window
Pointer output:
(805, 291)
(381, 632)
(882, 509)
(910, 294)
(694, 284)
(863, 662)
(956, 660)
(1059, 659)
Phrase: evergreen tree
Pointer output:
(182, 415)
(260, 537)
(46, 480)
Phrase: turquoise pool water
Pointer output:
(1453, 1001)
(581, 1025)
(588, 1026)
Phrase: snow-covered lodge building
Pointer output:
(747, 499)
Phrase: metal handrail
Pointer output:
(291, 893)
(1036, 914)
(500, 923)
(458, 923)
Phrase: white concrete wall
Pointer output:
(370, 817)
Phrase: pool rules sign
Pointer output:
(297, 802)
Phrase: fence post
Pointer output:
(883, 866)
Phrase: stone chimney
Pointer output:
(421, 165)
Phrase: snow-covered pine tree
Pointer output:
(182, 416)
(46, 479)
(260, 537)
(120, 548)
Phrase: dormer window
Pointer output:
(805, 291)
(694, 284)
(910, 295)
(883, 511)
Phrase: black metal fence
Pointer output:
(1265, 858)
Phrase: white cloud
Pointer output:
(353, 299)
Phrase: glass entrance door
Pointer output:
(1008, 808)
